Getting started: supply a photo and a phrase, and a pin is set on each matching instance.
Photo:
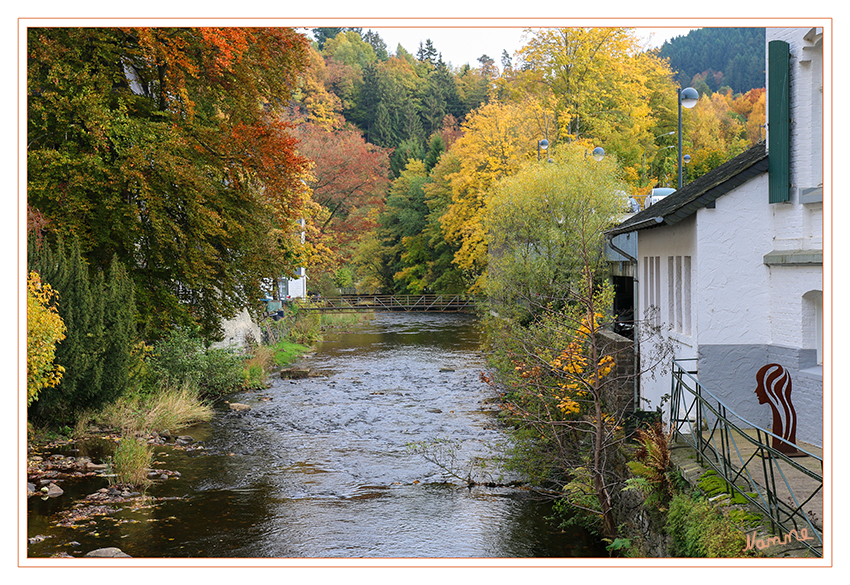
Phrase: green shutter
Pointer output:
(779, 121)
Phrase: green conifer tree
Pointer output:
(99, 314)
(119, 322)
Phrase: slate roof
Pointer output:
(699, 193)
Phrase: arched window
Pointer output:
(813, 322)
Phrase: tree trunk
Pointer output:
(609, 526)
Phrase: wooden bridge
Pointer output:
(418, 303)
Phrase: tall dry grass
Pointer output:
(257, 366)
(170, 408)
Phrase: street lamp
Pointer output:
(687, 159)
(542, 145)
(598, 153)
(688, 98)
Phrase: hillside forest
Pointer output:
(186, 158)
(448, 135)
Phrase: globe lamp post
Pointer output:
(688, 98)
(542, 145)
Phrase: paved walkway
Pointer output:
(787, 478)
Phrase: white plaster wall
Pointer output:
(676, 240)
(796, 225)
(733, 297)
(789, 323)
(298, 288)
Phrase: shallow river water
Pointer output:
(323, 467)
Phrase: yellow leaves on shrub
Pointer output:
(574, 364)
(45, 329)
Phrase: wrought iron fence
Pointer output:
(788, 492)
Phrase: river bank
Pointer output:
(322, 466)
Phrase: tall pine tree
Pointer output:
(100, 316)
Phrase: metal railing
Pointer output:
(434, 303)
(786, 491)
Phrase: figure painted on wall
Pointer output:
(774, 388)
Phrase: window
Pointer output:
(671, 291)
(686, 294)
(679, 293)
(652, 288)
(813, 322)
(678, 301)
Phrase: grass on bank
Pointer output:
(170, 408)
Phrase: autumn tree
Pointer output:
(409, 251)
(348, 180)
(537, 220)
(45, 329)
(401, 229)
(551, 298)
(603, 87)
(164, 148)
(323, 107)
(498, 139)
(721, 127)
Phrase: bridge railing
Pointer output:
(787, 491)
(434, 303)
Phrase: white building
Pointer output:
(294, 287)
(733, 262)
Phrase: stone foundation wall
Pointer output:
(238, 329)
(621, 392)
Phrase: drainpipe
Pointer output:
(636, 285)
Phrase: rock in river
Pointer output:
(108, 552)
(238, 406)
(294, 373)
(52, 491)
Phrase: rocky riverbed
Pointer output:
(58, 477)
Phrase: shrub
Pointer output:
(306, 327)
(177, 358)
(181, 359)
(221, 372)
(697, 528)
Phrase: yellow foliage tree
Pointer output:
(498, 140)
(604, 87)
(715, 133)
(45, 329)
(579, 377)
(323, 107)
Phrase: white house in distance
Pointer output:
(733, 262)
(294, 287)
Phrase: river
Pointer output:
(324, 467)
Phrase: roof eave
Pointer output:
(706, 197)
